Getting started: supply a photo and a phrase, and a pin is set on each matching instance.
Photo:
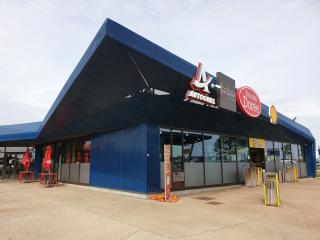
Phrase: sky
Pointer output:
(271, 46)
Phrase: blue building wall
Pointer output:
(311, 159)
(153, 158)
(126, 159)
(38, 160)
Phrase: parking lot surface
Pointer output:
(68, 212)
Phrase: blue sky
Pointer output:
(271, 46)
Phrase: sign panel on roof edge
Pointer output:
(273, 114)
(200, 92)
(226, 93)
(248, 102)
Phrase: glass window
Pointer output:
(287, 154)
(302, 160)
(278, 154)
(243, 156)
(192, 149)
(229, 160)
(269, 151)
(242, 149)
(269, 157)
(212, 148)
(294, 151)
(212, 155)
(67, 152)
(86, 147)
(228, 149)
(165, 138)
(286, 151)
(176, 151)
(193, 159)
(301, 153)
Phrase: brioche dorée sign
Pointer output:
(248, 102)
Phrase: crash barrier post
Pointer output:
(250, 177)
(259, 176)
(291, 174)
(281, 176)
(271, 190)
(253, 176)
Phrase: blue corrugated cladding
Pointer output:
(118, 160)
(153, 159)
(311, 159)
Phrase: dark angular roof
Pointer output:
(107, 90)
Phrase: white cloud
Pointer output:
(272, 46)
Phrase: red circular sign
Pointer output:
(248, 101)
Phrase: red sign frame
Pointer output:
(167, 171)
(248, 101)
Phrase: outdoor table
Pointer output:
(51, 178)
(23, 174)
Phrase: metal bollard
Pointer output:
(271, 190)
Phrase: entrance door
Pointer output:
(257, 157)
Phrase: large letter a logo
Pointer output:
(200, 81)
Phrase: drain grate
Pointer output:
(214, 203)
(204, 198)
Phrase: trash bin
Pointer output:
(271, 190)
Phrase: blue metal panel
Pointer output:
(311, 159)
(153, 159)
(38, 160)
(118, 159)
(19, 131)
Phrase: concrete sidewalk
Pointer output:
(66, 212)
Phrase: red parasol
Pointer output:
(26, 160)
(46, 163)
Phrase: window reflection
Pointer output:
(294, 151)
(228, 149)
(192, 149)
(212, 148)
(301, 153)
(242, 149)
(269, 156)
(278, 154)
(287, 154)
(176, 151)
(165, 138)
(212, 154)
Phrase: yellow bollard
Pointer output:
(271, 190)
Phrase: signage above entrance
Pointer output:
(257, 143)
(248, 101)
(200, 85)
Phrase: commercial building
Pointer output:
(128, 97)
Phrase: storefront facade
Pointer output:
(128, 97)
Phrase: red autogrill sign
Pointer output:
(248, 101)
